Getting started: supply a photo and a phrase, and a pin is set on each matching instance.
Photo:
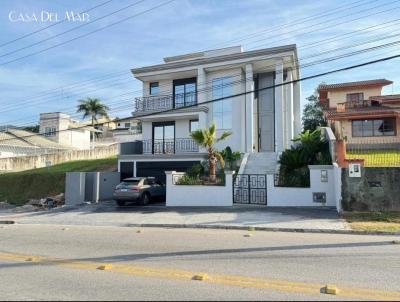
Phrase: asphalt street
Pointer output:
(54, 262)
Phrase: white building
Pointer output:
(62, 129)
(177, 99)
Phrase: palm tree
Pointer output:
(92, 107)
(207, 138)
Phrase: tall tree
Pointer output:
(92, 107)
(207, 138)
(313, 116)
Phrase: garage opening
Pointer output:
(157, 168)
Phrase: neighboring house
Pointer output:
(127, 130)
(62, 129)
(263, 122)
(359, 113)
(16, 142)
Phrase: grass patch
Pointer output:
(377, 158)
(375, 221)
(19, 187)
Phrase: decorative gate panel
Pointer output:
(250, 189)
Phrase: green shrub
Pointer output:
(311, 149)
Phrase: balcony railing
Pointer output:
(170, 146)
(153, 103)
(341, 107)
(164, 102)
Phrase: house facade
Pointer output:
(62, 129)
(258, 103)
(359, 113)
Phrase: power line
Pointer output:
(318, 29)
(305, 65)
(51, 25)
(242, 93)
(70, 30)
(295, 22)
(87, 34)
(336, 36)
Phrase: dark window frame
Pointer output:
(393, 119)
(162, 124)
(348, 99)
(154, 85)
(190, 124)
(180, 82)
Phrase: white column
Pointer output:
(296, 108)
(279, 146)
(249, 120)
(201, 85)
(289, 109)
(203, 123)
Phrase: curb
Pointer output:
(7, 222)
(266, 229)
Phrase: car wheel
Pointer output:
(145, 199)
(120, 203)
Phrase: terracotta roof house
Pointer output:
(360, 114)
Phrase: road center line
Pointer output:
(228, 280)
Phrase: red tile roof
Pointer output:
(377, 82)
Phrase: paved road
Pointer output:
(159, 264)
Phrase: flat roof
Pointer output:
(213, 58)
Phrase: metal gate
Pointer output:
(250, 189)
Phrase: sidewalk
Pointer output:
(240, 216)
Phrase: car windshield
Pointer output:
(133, 182)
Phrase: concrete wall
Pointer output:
(198, 196)
(39, 161)
(378, 189)
(90, 186)
(75, 188)
(107, 181)
(303, 197)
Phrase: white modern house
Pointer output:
(260, 105)
(62, 129)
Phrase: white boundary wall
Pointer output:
(303, 197)
(199, 195)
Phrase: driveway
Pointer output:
(108, 214)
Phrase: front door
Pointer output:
(266, 122)
(164, 138)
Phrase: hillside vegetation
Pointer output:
(19, 187)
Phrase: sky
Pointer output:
(34, 80)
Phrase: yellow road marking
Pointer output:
(229, 280)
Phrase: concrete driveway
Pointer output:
(108, 214)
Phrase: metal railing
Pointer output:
(164, 102)
(154, 103)
(170, 146)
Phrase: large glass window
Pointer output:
(154, 88)
(378, 127)
(222, 110)
(164, 137)
(185, 92)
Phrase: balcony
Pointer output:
(155, 103)
(167, 146)
(341, 107)
(170, 146)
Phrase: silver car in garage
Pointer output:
(139, 189)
